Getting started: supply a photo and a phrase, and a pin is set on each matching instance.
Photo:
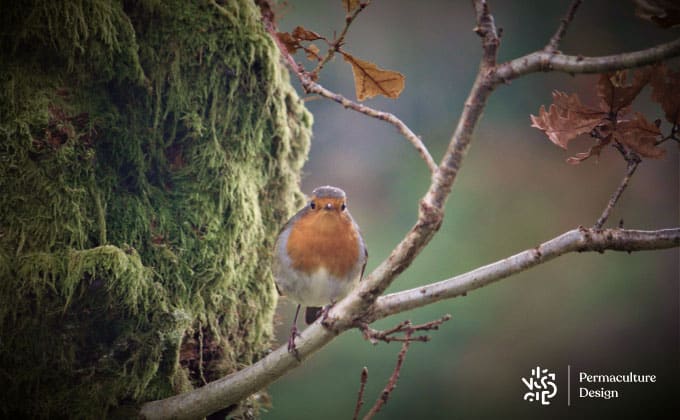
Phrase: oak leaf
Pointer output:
(370, 80)
(566, 119)
(302, 34)
(593, 151)
(312, 53)
(616, 94)
(292, 40)
(666, 91)
(292, 44)
(665, 13)
(640, 136)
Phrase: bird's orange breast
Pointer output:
(323, 240)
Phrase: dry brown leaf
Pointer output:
(350, 5)
(302, 34)
(593, 151)
(616, 93)
(291, 44)
(370, 80)
(313, 53)
(665, 13)
(640, 136)
(566, 119)
(666, 91)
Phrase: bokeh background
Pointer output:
(599, 313)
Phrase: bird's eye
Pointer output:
(343, 207)
(312, 205)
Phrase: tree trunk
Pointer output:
(149, 151)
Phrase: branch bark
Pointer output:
(577, 240)
(631, 167)
(239, 385)
(547, 61)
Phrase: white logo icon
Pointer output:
(541, 386)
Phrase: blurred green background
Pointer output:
(610, 313)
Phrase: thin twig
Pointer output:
(385, 394)
(632, 166)
(554, 42)
(312, 87)
(334, 46)
(360, 397)
(387, 336)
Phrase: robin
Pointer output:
(319, 255)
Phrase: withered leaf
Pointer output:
(370, 80)
(616, 93)
(312, 53)
(593, 151)
(350, 5)
(666, 91)
(566, 119)
(290, 42)
(302, 34)
(640, 136)
(665, 13)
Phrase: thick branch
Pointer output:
(239, 385)
(577, 240)
(486, 28)
(547, 61)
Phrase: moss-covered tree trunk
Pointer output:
(149, 151)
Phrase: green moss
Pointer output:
(149, 153)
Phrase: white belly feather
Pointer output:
(315, 289)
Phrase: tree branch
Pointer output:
(337, 42)
(235, 387)
(546, 61)
(554, 42)
(392, 383)
(312, 87)
(360, 395)
(632, 166)
(577, 240)
(486, 29)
